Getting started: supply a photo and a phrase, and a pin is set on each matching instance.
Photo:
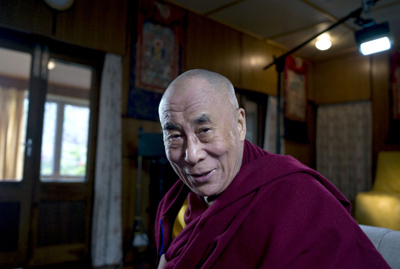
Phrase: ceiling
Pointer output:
(288, 23)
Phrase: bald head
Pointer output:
(222, 87)
(203, 130)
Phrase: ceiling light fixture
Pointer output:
(373, 39)
(51, 65)
(323, 43)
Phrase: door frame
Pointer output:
(31, 191)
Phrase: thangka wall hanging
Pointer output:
(295, 100)
(156, 57)
(394, 125)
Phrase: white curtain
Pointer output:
(106, 228)
(271, 127)
(344, 146)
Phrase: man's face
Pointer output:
(203, 136)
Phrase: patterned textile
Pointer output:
(106, 230)
(271, 128)
(295, 89)
(156, 57)
(295, 100)
(143, 104)
(344, 146)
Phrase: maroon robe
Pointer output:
(276, 213)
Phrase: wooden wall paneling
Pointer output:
(302, 152)
(130, 128)
(126, 71)
(342, 80)
(130, 133)
(100, 24)
(29, 16)
(380, 99)
(213, 46)
(128, 202)
(256, 54)
(305, 152)
(380, 103)
(310, 82)
(131, 34)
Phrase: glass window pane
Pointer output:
(74, 142)
(65, 141)
(251, 120)
(14, 80)
(48, 139)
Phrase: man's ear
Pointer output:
(241, 123)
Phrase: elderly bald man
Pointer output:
(238, 206)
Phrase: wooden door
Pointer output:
(62, 193)
(16, 86)
(46, 208)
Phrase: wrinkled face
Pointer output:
(203, 135)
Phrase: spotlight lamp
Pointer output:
(374, 38)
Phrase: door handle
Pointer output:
(28, 147)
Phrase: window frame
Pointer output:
(57, 176)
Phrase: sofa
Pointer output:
(386, 241)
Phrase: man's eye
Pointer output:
(174, 136)
(205, 130)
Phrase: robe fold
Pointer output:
(276, 213)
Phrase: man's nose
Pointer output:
(194, 152)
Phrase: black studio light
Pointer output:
(373, 39)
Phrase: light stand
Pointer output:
(280, 66)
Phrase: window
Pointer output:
(255, 106)
(64, 145)
(66, 123)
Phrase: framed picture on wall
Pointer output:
(295, 107)
(156, 57)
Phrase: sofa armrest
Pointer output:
(386, 241)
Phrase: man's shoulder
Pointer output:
(272, 166)
(284, 174)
